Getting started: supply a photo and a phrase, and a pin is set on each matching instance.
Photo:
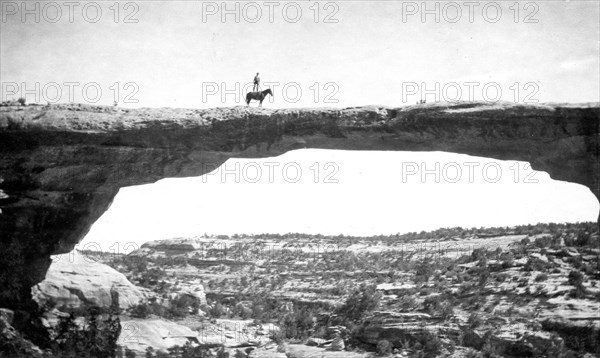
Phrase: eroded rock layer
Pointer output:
(62, 165)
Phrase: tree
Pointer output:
(361, 301)
(423, 271)
(98, 339)
(298, 324)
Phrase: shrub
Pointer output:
(541, 277)
(185, 351)
(578, 292)
(217, 311)
(141, 310)
(474, 320)
(361, 301)
(298, 324)
(575, 278)
(583, 239)
(576, 261)
(384, 347)
(183, 305)
(129, 353)
(507, 259)
(432, 345)
(535, 264)
(423, 271)
(21, 101)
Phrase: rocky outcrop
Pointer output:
(138, 335)
(412, 332)
(61, 165)
(174, 246)
(74, 281)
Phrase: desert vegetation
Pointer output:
(527, 291)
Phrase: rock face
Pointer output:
(138, 335)
(62, 165)
(75, 280)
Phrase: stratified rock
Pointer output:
(74, 280)
(397, 333)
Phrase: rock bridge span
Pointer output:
(62, 165)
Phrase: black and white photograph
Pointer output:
(299, 179)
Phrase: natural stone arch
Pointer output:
(62, 165)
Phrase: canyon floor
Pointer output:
(497, 292)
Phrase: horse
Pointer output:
(258, 96)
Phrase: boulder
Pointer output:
(74, 280)
(338, 344)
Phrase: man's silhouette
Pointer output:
(256, 83)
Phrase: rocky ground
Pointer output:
(502, 292)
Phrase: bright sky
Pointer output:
(344, 53)
(312, 54)
(375, 193)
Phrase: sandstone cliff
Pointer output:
(61, 165)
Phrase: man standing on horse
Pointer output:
(256, 86)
